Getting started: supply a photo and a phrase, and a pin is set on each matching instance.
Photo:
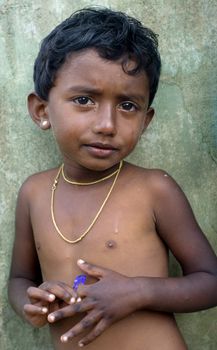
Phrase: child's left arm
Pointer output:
(115, 296)
(176, 225)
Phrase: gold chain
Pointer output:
(56, 180)
(86, 183)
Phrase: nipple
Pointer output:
(111, 244)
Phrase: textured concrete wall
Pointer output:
(182, 138)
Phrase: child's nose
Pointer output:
(105, 121)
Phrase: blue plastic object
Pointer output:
(80, 279)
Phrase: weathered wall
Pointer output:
(182, 138)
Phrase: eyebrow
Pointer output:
(83, 88)
(92, 90)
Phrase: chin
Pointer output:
(101, 165)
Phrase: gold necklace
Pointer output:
(56, 180)
(86, 183)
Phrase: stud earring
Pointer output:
(44, 124)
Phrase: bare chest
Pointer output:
(122, 238)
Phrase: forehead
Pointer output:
(88, 68)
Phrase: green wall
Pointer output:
(182, 138)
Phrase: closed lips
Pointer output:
(102, 146)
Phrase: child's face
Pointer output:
(97, 112)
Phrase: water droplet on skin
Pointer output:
(116, 225)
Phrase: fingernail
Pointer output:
(51, 297)
(72, 300)
(78, 300)
(64, 339)
(44, 310)
(81, 261)
(51, 318)
(80, 345)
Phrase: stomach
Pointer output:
(139, 331)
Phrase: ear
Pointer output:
(38, 111)
(148, 118)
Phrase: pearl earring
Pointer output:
(44, 124)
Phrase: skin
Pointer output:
(125, 254)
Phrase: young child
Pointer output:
(96, 215)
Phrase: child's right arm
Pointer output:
(29, 297)
(25, 270)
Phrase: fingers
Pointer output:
(98, 330)
(92, 270)
(35, 310)
(35, 315)
(37, 294)
(70, 310)
(87, 322)
(60, 290)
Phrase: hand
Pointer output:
(48, 297)
(105, 302)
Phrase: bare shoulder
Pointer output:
(157, 181)
(36, 184)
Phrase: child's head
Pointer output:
(114, 36)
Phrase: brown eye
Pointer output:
(83, 100)
(128, 106)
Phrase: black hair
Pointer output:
(113, 34)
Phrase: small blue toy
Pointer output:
(80, 279)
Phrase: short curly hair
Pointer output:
(113, 34)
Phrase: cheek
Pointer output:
(133, 137)
(62, 134)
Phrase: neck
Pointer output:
(76, 175)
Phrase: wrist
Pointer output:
(142, 294)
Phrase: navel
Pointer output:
(111, 244)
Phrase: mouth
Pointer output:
(99, 149)
(101, 145)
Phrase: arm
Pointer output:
(30, 298)
(25, 269)
(176, 225)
